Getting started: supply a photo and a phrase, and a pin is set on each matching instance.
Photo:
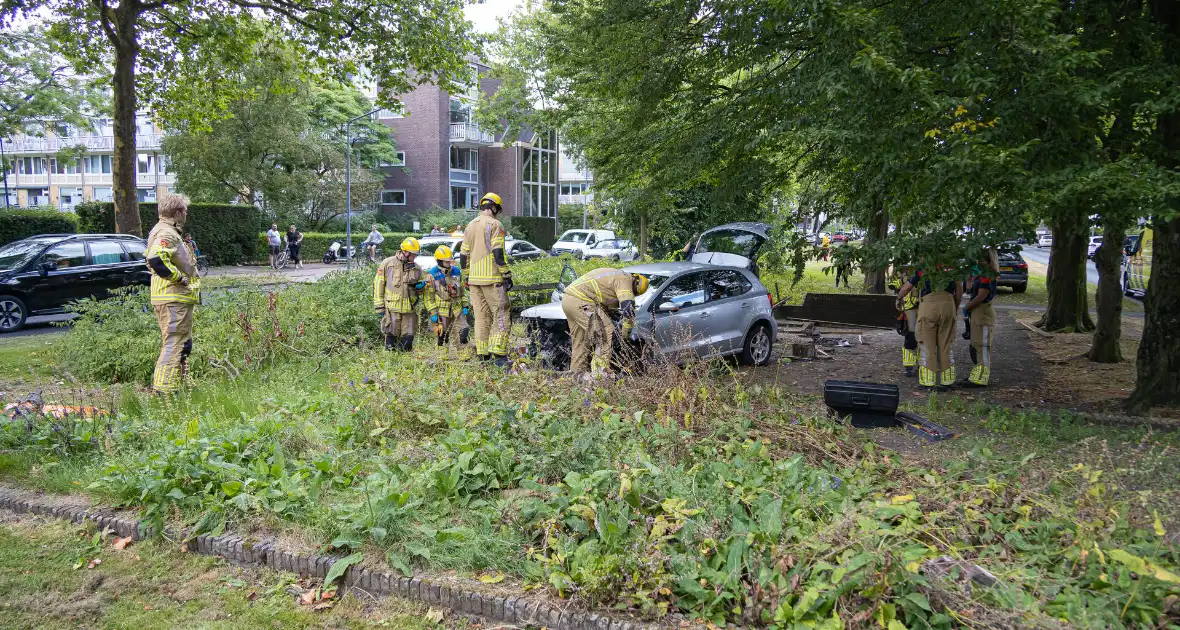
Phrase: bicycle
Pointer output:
(202, 265)
(282, 259)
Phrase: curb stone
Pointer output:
(240, 550)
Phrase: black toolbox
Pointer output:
(869, 405)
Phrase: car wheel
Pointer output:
(13, 313)
(758, 345)
(615, 258)
(1020, 288)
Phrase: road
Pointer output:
(1041, 255)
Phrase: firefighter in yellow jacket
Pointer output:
(482, 257)
(937, 312)
(587, 304)
(908, 306)
(444, 297)
(397, 288)
(175, 291)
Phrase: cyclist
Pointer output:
(371, 242)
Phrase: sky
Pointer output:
(484, 14)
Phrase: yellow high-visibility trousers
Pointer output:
(176, 333)
(490, 304)
(983, 326)
(591, 331)
(936, 333)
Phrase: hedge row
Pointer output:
(536, 230)
(18, 224)
(315, 244)
(223, 232)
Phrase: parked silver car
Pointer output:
(691, 309)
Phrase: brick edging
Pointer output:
(266, 553)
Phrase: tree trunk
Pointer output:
(1068, 309)
(642, 237)
(1158, 363)
(1105, 348)
(124, 162)
(877, 232)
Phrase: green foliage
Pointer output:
(224, 232)
(38, 86)
(18, 224)
(536, 230)
(282, 142)
(316, 244)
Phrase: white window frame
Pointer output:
(401, 160)
(392, 190)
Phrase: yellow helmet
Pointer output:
(641, 284)
(492, 197)
(443, 253)
(411, 245)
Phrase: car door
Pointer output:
(65, 276)
(108, 263)
(682, 331)
(730, 302)
(136, 272)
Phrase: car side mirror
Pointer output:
(667, 307)
(47, 266)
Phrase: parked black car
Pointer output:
(39, 275)
(1013, 271)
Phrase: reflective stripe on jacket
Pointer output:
(393, 285)
(483, 236)
(164, 242)
(608, 287)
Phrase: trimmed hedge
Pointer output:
(315, 244)
(18, 224)
(536, 230)
(224, 232)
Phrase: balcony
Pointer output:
(470, 136)
(142, 180)
(582, 198)
(98, 144)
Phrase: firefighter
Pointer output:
(982, 315)
(489, 280)
(908, 305)
(444, 297)
(936, 328)
(175, 292)
(396, 289)
(588, 303)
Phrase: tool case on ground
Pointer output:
(866, 404)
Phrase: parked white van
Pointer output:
(578, 242)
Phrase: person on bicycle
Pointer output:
(371, 242)
(294, 242)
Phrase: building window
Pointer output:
(104, 193)
(147, 163)
(70, 197)
(393, 197)
(464, 159)
(540, 177)
(400, 160)
(30, 166)
(460, 111)
(60, 167)
(97, 164)
(464, 197)
(146, 195)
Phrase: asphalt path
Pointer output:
(1041, 255)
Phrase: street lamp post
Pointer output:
(348, 183)
(4, 172)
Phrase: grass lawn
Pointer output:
(29, 358)
(57, 575)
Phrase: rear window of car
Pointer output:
(105, 252)
(135, 249)
(726, 284)
(729, 242)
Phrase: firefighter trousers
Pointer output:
(490, 304)
(591, 331)
(983, 326)
(448, 322)
(909, 348)
(176, 332)
(936, 333)
(398, 324)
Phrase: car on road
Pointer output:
(578, 242)
(523, 250)
(1095, 241)
(1013, 271)
(615, 249)
(691, 309)
(41, 275)
(1045, 240)
(516, 249)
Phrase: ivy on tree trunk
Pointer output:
(1105, 346)
(1067, 309)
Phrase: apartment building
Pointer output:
(38, 178)
(574, 182)
(446, 160)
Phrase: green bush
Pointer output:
(315, 244)
(223, 232)
(536, 230)
(18, 224)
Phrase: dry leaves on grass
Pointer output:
(122, 543)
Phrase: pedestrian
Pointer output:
(825, 245)
(274, 241)
(843, 269)
(982, 316)
(490, 280)
(175, 292)
(294, 243)
(588, 303)
(936, 328)
(908, 305)
(188, 239)
(445, 302)
(436, 231)
(396, 289)
(458, 231)
(374, 239)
